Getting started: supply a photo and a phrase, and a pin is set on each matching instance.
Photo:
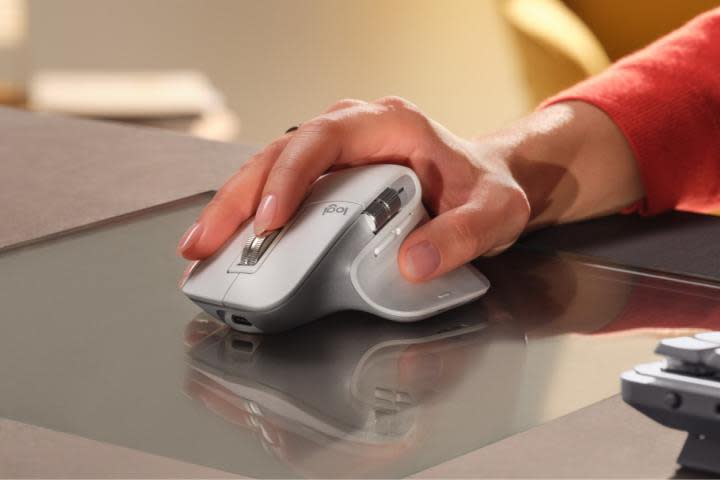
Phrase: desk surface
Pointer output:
(608, 439)
(98, 341)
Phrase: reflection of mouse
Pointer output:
(341, 380)
(339, 252)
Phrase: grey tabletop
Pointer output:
(98, 341)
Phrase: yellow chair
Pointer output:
(561, 42)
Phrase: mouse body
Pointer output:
(339, 252)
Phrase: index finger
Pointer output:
(354, 136)
(233, 203)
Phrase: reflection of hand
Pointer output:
(229, 406)
(431, 367)
(310, 456)
(559, 295)
(201, 327)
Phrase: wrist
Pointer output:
(571, 161)
(540, 160)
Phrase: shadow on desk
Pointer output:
(674, 242)
(687, 473)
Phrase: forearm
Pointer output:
(571, 160)
(665, 99)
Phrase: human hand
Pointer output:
(564, 163)
(480, 207)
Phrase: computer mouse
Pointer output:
(339, 252)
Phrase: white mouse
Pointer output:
(339, 252)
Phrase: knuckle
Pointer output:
(271, 150)
(252, 161)
(396, 103)
(254, 164)
(322, 125)
(463, 236)
(289, 175)
(220, 196)
(214, 203)
(224, 205)
(275, 145)
(344, 103)
(408, 111)
(286, 169)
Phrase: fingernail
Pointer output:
(189, 238)
(265, 214)
(422, 259)
(186, 273)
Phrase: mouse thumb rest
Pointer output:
(334, 255)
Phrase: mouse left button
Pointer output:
(255, 246)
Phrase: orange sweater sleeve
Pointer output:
(666, 101)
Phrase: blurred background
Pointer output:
(243, 70)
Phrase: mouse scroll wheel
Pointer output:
(383, 208)
(255, 246)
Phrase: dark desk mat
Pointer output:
(675, 242)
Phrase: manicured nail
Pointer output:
(190, 237)
(422, 259)
(265, 214)
(186, 273)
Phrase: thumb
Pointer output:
(455, 238)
